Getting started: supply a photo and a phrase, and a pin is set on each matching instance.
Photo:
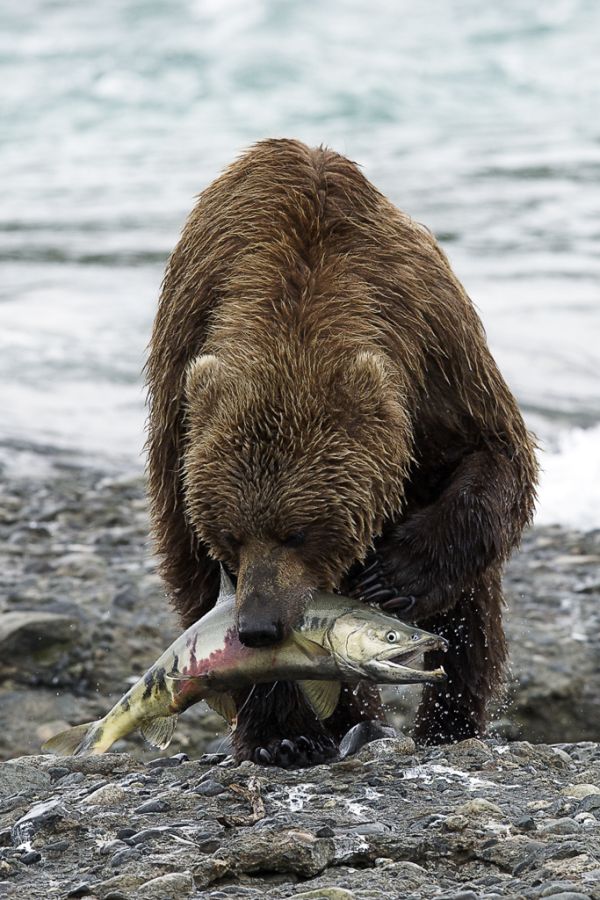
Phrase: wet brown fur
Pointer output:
(316, 366)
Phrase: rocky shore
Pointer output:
(82, 613)
(472, 820)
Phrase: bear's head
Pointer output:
(290, 467)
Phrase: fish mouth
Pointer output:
(392, 663)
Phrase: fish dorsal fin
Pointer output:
(322, 696)
(158, 732)
(223, 704)
(226, 587)
(311, 649)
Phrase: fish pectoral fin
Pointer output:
(309, 648)
(158, 732)
(222, 703)
(322, 696)
(66, 742)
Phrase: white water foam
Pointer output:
(569, 492)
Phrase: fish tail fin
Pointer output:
(158, 732)
(73, 741)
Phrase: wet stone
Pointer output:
(167, 762)
(525, 823)
(124, 856)
(210, 788)
(556, 887)
(153, 806)
(124, 834)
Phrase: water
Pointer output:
(480, 120)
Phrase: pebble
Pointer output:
(568, 895)
(153, 806)
(556, 887)
(167, 887)
(124, 856)
(32, 856)
(112, 847)
(107, 795)
(210, 788)
(167, 762)
(525, 823)
(364, 733)
(478, 806)
(590, 803)
(80, 890)
(148, 834)
(579, 791)
(125, 833)
(560, 826)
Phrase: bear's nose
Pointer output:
(261, 633)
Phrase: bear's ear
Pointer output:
(368, 391)
(201, 373)
(365, 372)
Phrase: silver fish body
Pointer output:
(338, 638)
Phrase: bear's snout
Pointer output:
(271, 593)
(258, 629)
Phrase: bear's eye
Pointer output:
(231, 540)
(294, 539)
(391, 637)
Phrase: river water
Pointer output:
(479, 119)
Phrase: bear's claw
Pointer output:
(295, 754)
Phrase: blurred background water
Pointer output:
(479, 119)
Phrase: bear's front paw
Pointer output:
(376, 584)
(295, 753)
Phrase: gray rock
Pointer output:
(39, 817)
(568, 895)
(555, 887)
(18, 776)
(210, 788)
(167, 887)
(362, 734)
(124, 856)
(35, 638)
(157, 805)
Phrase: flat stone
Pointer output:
(156, 805)
(31, 634)
(107, 795)
(326, 893)
(80, 890)
(579, 791)
(167, 887)
(210, 788)
(17, 776)
(556, 887)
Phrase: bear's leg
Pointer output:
(474, 662)
(277, 727)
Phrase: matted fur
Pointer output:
(316, 366)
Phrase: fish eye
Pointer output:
(414, 636)
(391, 637)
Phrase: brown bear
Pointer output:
(325, 413)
